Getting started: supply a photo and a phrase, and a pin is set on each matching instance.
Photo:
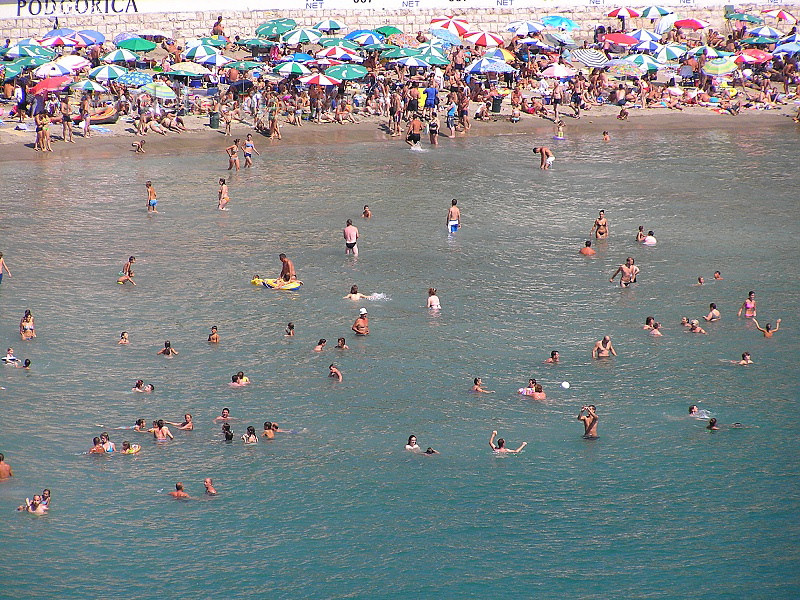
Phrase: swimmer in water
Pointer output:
(168, 350)
(640, 235)
(600, 227)
(656, 331)
(500, 447)
(128, 448)
(289, 332)
(250, 437)
(361, 324)
(97, 446)
(187, 424)
(685, 322)
(606, 137)
(587, 249)
(412, 445)
(341, 345)
(628, 273)
(712, 425)
(717, 275)
(320, 345)
(208, 483)
(152, 197)
(138, 386)
(161, 432)
(355, 294)
(547, 157)
(698, 413)
(694, 327)
(433, 300)
(700, 281)
(746, 360)
(713, 313)
(453, 220)
(554, 357)
(334, 372)
(123, 338)
(227, 432)
(225, 415)
(648, 322)
(268, 433)
(108, 445)
(477, 387)
(589, 421)
(367, 212)
(603, 348)
(213, 337)
(749, 306)
(768, 330)
(178, 492)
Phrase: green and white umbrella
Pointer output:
(137, 44)
(396, 53)
(107, 72)
(215, 60)
(670, 52)
(87, 85)
(654, 12)
(708, 50)
(120, 55)
(388, 30)
(720, 66)
(28, 62)
(11, 71)
(246, 65)
(159, 90)
(275, 27)
(434, 58)
(331, 41)
(645, 61)
(18, 51)
(301, 35)
(214, 40)
(329, 25)
(191, 67)
(257, 43)
(291, 68)
(347, 72)
(199, 52)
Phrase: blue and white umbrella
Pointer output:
(367, 37)
(448, 37)
(795, 37)
(298, 57)
(412, 61)
(787, 48)
(134, 79)
(489, 65)
(560, 22)
(28, 42)
(63, 32)
(647, 46)
(50, 69)
(538, 43)
(766, 31)
(524, 28)
(98, 37)
(644, 35)
(215, 60)
(645, 61)
(124, 36)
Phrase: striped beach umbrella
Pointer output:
(558, 71)
(781, 15)
(17, 51)
(693, 24)
(291, 68)
(337, 52)
(273, 30)
(624, 13)
(98, 37)
(11, 71)
(623, 68)
(107, 72)
(670, 52)
(137, 45)
(412, 61)
(73, 62)
(759, 41)
(451, 23)
(134, 79)
(559, 22)
(753, 56)
(500, 54)
(646, 46)
(199, 52)
(301, 35)
(591, 58)
(50, 69)
(329, 25)
(120, 55)
(646, 61)
(246, 65)
(347, 72)
(58, 40)
(125, 35)
(214, 40)
(319, 79)
(401, 53)
(61, 32)
(367, 37)
(27, 62)
(215, 60)
(483, 38)
(87, 85)
(654, 12)
(644, 35)
(766, 31)
(434, 58)
(326, 42)
(524, 28)
(709, 51)
(788, 48)
(159, 90)
(720, 66)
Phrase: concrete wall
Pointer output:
(183, 25)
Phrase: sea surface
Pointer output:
(658, 507)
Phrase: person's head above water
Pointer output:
(412, 440)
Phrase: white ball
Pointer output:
(565, 385)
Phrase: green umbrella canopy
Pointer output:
(182, 73)
(434, 58)
(26, 62)
(401, 53)
(388, 30)
(217, 42)
(273, 29)
(257, 43)
(137, 45)
(246, 65)
(12, 71)
(346, 72)
(333, 41)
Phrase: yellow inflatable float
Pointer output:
(276, 284)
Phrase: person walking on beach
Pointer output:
(453, 217)
(287, 269)
(66, 120)
(3, 268)
(152, 197)
(414, 132)
(588, 416)
(350, 234)
(223, 199)
(603, 348)
(547, 157)
(361, 325)
(628, 272)
(500, 447)
(600, 227)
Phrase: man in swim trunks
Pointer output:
(178, 492)
(554, 357)
(361, 326)
(587, 249)
(628, 271)
(589, 421)
(600, 227)
(547, 157)
(151, 197)
(453, 217)
(477, 386)
(603, 348)
(350, 234)
(414, 132)
(287, 270)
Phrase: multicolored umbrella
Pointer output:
(58, 40)
(87, 85)
(368, 37)
(654, 12)
(451, 23)
(329, 25)
(720, 66)
(765, 31)
(413, 61)
(623, 68)
(781, 15)
(301, 35)
(788, 48)
(745, 18)
(759, 41)
(388, 30)
(591, 58)
(291, 68)
(347, 72)
(121, 55)
(134, 79)
(137, 44)
(484, 39)
(693, 24)
(199, 52)
(753, 56)
(215, 60)
(500, 54)
(50, 69)
(647, 46)
(85, 40)
(559, 22)
(62, 32)
(709, 51)
(523, 28)
(51, 84)
(670, 52)
(17, 51)
(214, 40)
(319, 79)
(644, 35)
(107, 72)
(159, 90)
(624, 12)
(124, 36)
(337, 52)
(246, 65)
(73, 62)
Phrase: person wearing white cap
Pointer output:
(361, 326)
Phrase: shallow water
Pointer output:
(656, 508)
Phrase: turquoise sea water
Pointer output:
(656, 508)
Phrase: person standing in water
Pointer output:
(547, 157)
(500, 447)
(351, 236)
(287, 269)
(453, 217)
(589, 418)
(152, 197)
(222, 199)
(749, 306)
(767, 330)
(603, 348)
(3, 268)
(600, 227)
(233, 155)
(249, 148)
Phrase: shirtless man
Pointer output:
(213, 337)
(547, 157)
(414, 132)
(350, 234)
(5, 468)
(66, 120)
(453, 217)
(554, 357)
(628, 271)
(587, 249)
(287, 270)
(501, 445)
(225, 415)
(152, 197)
(600, 227)
(3, 268)
(162, 432)
(335, 372)
(178, 492)
(768, 330)
(603, 348)
(589, 421)
(477, 386)
(361, 326)
(209, 485)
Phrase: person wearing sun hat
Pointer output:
(361, 326)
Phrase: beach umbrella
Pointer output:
(27, 62)
(787, 48)
(199, 52)
(301, 35)
(367, 37)
(134, 79)
(11, 71)
(291, 68)
(483, 38)
(538, 43)
(720, 66)
(434, 58)
(558, 38)
(195, 68)
(62, 32)
(560, 22)
(623, 68)
(759, 41)
(693, 24)
(486, 65)
(347, 72)
(412, 61)
(335, 52)
(215, 60)
(708, 50)
(246, 65)
(388, 30)
(523, 28)
(298, 57)
(87, 85)
(51, 84)
(644, 35)
(17, 51)
(272, 30)
(665, 23)
(28, 42)
(319, 79)
(180, 73)
(159, 90)
(445, 36)
(624, 13)
(124, 36)
(325, 62)
(137, 45)
(50, 69)
(781, 15)
(382, 47)
(214, 40)
(329, 25)
(58, 41)
(589, 57)
(791, 38)
(558, 71)
(499, 54)
(405, 40)
(331, 41)
(744, 18)
(451, 23)
(107, 72)
(670, 52)
(654, 12)
(120, 55)
(647, 46)
(621, 39)
(254, 43)
(646, 61)
(753, 55)
(765, 31)
(401, 52)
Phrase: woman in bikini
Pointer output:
(749, 306)
(223, 194)
(26, 327)
(600, 227)
(233, 155)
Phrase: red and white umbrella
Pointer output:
(753, 56)
(781, 15)
(58, 41)
(559, 71)
(621, 39)
(624, 12)
(336, 52)
(73, 62)
(51, 84)
(692, 23)
(320, 79)
(325, 62)
(483, 38)
(452, 24)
